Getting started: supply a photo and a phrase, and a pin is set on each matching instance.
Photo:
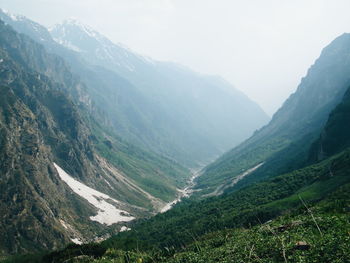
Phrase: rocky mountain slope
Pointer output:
(65, 176)
(283, 144)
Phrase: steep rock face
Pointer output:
(284, 143)
(30, 186)
(44, 121)
(335, 136)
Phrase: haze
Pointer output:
(263, 48)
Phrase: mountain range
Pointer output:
(97, 140)
(113, 149)
(162, 106)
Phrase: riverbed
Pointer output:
(182, 193)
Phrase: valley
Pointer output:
(108, 156)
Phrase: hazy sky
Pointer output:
(263, 47)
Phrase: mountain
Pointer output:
(29, 182)
(64, 175)
(283, 144)
(93, 128)
(280, 196)
(162, 106)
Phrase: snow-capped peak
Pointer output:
(74, 23)
(98, 49)
(14, 17)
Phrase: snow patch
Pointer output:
(76, 241)
(107, 212)
(130, 67)
(148, 60)
(63, 224)
(68, 45)
(85, 28)
(12, 16)
(108, 183)
(124, 228)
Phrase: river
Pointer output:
(186, 192)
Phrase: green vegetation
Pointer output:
(309, 205)
(335, 136)
(316, 231)
(294, 208)
(228, 168)
(323, 228)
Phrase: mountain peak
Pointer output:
(73, 23)
(76, 36)
(81, 38)
(14, 17)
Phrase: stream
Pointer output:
(186, 192)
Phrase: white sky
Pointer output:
(263, 47)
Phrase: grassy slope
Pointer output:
(323, 225)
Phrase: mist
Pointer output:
(263, 48)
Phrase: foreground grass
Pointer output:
(325, 240)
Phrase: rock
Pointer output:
(285, 227)
(282, 228)
(301, 245)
